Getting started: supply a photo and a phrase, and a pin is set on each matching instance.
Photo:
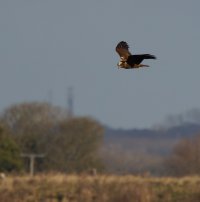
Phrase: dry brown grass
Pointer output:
(103, 188)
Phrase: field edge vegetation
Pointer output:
(100, 188)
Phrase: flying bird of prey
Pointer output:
(129, 61)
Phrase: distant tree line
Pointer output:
(75, 145)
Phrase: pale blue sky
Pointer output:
(50, 45)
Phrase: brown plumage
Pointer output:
(129, 61)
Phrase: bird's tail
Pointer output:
(148, 56)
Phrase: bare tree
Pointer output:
(185, 158)
(78, 141)
(31, 123)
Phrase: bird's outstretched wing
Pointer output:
(122, 49)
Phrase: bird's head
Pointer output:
(120, 64)
(123, 64)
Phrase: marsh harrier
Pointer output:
(129, 61)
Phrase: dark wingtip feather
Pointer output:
(149, 56)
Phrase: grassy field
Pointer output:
(103, 188)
